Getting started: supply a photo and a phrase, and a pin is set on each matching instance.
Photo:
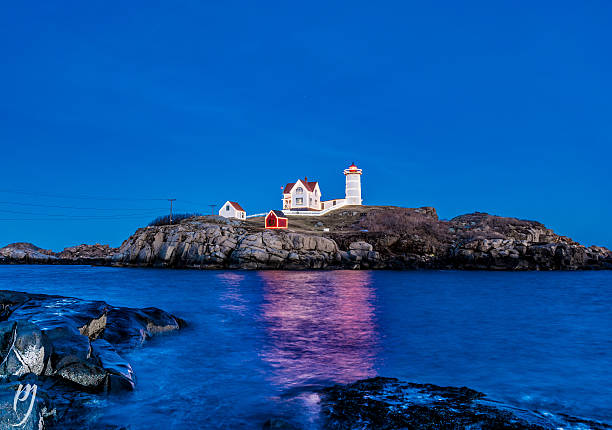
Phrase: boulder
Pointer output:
(361, 246)
(74, 341)
(388, 403)
(24, 348)
(24, 405)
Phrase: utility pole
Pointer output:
(171, 200)
(212, 209)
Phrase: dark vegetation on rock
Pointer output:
(359, 237)
(387, 403)
(176, 218)
(68, 346)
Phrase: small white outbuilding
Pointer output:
(232, 210)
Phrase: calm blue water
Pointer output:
(538, 340)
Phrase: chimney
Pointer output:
(305, 178)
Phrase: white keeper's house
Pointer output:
(232, 210)
(303, 197)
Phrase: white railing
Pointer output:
(314, 213)
(306, 213)
(256, 215)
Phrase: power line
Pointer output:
(75, 207)
(77, 216)
(120, 213)
(71, 219)
(74, 197)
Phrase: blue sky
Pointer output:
(107, 108)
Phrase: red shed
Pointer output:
(276, 219)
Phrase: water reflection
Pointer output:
(320, 326)
(232, 298)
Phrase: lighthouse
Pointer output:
(353, 185)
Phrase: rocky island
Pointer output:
(358, 237)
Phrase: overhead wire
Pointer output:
(77, 197)
(100, 213)
(75, 216)
(74, 207)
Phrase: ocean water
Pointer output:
(256, 341)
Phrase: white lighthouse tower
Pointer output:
(353, 185)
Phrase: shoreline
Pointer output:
(370, 238)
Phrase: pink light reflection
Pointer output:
(320, 326)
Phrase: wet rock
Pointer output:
(68, 348)
(119, 373)
(126, 327)
(24, 406)
(24, 348)
(279, 424)
(84, 373)
(387, 403)
(74, 341)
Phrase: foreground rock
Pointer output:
(387, 403)
(63, 344)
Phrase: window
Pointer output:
(299, 201)
(227, 208)
(299, 190)
(334, 203)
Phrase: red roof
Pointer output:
(237, 206)
(310, 186)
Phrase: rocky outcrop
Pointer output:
(496, 243)
(27, 253)
(56, 341)
(208, 246)
(416, 240)
(387, 403)
(86, 254)
(375, 238)
(511, 254)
